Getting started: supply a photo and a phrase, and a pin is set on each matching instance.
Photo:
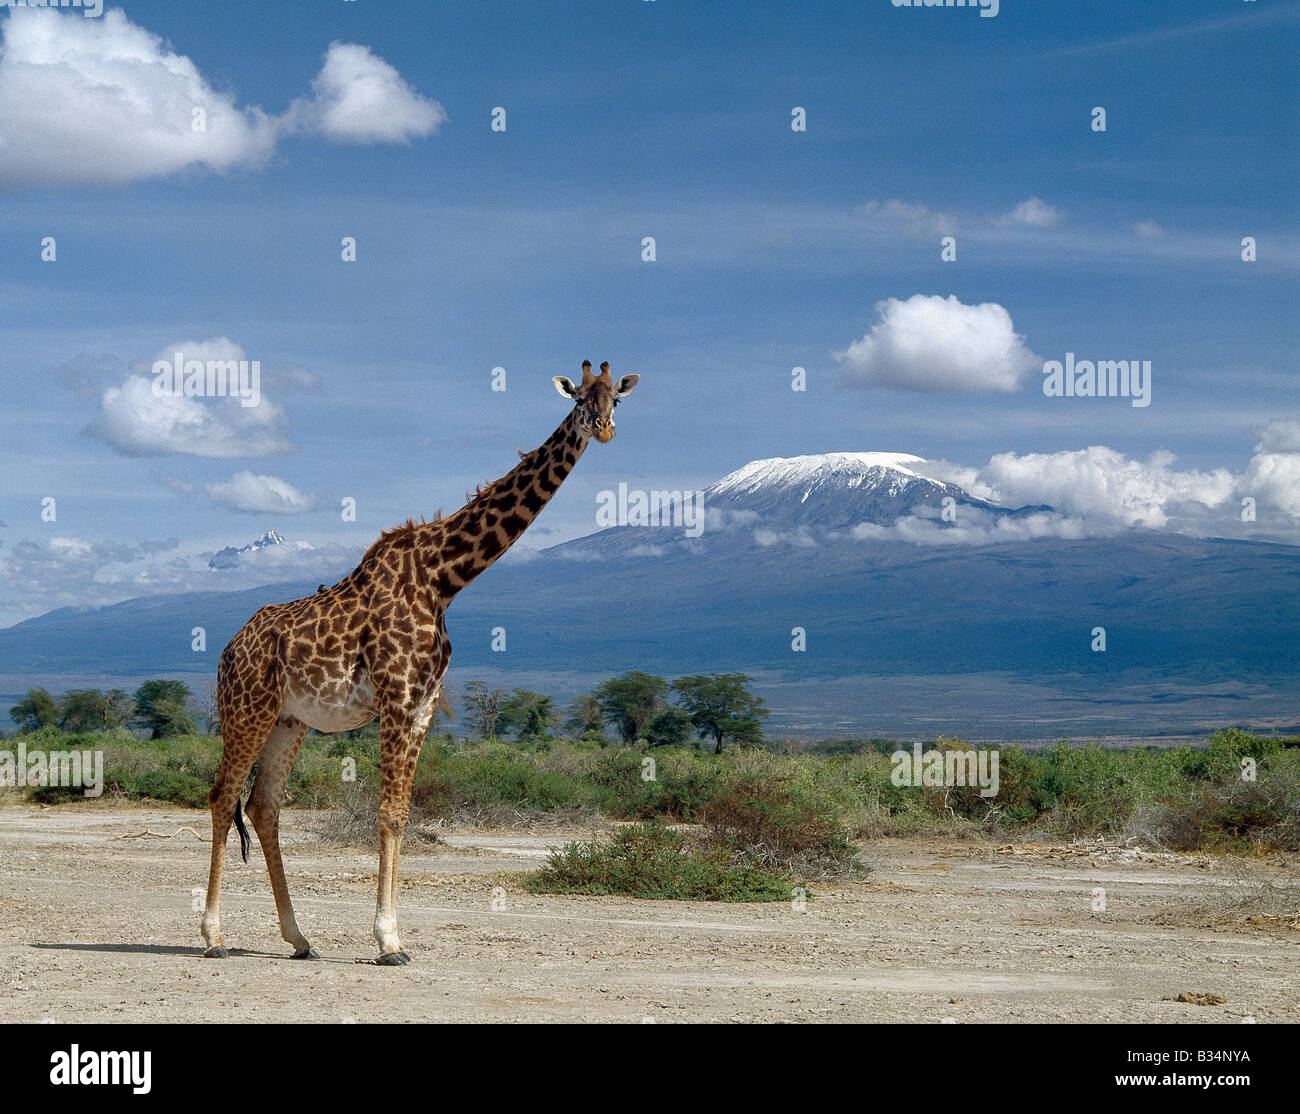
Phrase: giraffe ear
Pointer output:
(565, 386)
(627, 384)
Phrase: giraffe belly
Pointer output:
(336, 708)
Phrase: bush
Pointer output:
(779, 821)
(651, 861)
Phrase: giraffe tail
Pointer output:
(243, 831)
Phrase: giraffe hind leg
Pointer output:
(274, 765)
(247, 715)
(239, 749)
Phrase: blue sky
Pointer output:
(522, 249)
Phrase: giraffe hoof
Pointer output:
(393, 959)
(307, 953)
(216, 953)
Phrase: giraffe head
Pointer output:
(595, 398)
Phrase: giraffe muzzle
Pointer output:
(604, 432)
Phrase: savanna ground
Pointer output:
(99, 928)
(1097, 887)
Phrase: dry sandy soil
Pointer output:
(97, 928)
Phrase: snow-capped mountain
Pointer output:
(228, 558)
(998, 632)
(809, 498)
(832, 490)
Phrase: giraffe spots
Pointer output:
(513, 525)
(491, 545)
(456, 546)
(533, 502)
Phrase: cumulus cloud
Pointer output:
(976, 526)
(104, 101)
(1099, 483)
(1033, 212)
(931, 343)
(1274, 480)
(359, 98)
(259, 494)
(1083, 493)
(139, 422)
(1281, 435)
(67, 571)
(36, 577)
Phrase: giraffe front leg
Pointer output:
(391, 823)
(401, 731)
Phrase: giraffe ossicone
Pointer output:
(373, 645)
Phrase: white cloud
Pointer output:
(930, 343)
(1098, 483)
(979, 527)
(1089, 493)
(1033, 212)
(260, 494)
(359, 98)
(1274, 480)
(137, 422)
(913, 219)
(104, 101)
(1281, 435)
(36, 577)
(1148, 230)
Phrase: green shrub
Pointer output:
(651, 861)
(778, 818)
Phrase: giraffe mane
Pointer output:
(402, 529)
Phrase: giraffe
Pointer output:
(374, 644)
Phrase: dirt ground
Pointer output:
(97, 928)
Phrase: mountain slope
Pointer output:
(1186, 620)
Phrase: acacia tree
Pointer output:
(670, 728)
(584, 714)
(162, 708)
(37, 709)
(83, 710)
(629, 702)
(722, 707)
(528, 714)
(483, 707)
(117, 708)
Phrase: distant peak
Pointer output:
(229, 557)
(785, 470)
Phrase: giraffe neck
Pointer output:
(462, 545)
